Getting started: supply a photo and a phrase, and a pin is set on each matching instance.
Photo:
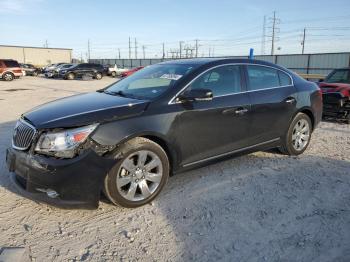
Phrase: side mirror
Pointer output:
(196, 95)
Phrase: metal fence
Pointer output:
(321, 63)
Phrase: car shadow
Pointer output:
(259, 207)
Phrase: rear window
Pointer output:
(11, 63)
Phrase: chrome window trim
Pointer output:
(172, 100)
(232, 152)
(29, 125)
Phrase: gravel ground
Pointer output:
(259, 207)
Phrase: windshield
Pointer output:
(339, 76)
(150, 81)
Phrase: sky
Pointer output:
(222, 27)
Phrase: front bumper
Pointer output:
(78, 182)
(336, 105)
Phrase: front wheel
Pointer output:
(298, 136)
(70, 76)
(140, 174)
(98, 76)
(114, 74)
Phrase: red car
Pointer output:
(9, 69)
(336, 95)
(131, 71)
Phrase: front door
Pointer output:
(206, 129)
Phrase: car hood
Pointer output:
(84, 109)
(335, 87)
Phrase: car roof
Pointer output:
(219, 61)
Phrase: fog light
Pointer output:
(49, 192)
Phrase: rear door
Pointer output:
(273, 101)
(206, 129)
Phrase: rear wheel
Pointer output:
(298, 136)
(8, 76)
(140, 174)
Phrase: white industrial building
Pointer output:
(38, 56)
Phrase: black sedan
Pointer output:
(126, 139)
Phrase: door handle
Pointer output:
(290, 100)
(235, 111)
(241, 111)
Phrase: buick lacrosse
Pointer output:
(126, 139)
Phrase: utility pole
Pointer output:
(89, 51)
(135, 48)
(263, 37)
(129, 47)
(274, 31)
(180, 43)
(143, 51)
(197, 46)
(303, 42)
(209, 51)
(119, 53)
(81, 57)
(163, 51)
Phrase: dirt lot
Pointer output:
(259, 207)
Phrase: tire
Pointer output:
(35, 73)
(300, 129)
(70, 76)
(98, 76)
(119, 181)
(8, 76)
(114, 74)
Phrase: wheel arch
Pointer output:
(307, 111)
(161, 141)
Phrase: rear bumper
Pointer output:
(336, 105)
(77, 182)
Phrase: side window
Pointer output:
(284, 79)
(222, 80)
(261, 77)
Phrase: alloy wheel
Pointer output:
(8, 77)
(139, 175)
(301, 135)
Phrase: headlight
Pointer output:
(63, 143)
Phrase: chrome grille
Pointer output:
(23, 135)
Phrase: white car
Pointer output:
(116, 71)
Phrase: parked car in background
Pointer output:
(56, 72)
(116, 70)
(9, 69)
(29, 69)
(86, 69)
(131, 71)
(50, 67)
(128, 137)
(336, 95)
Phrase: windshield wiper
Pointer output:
(118, 93)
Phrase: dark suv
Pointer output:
(9, 69)
(29, 69)
(94, 70)
(126, 139)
